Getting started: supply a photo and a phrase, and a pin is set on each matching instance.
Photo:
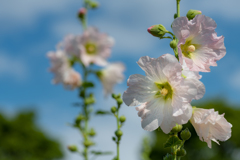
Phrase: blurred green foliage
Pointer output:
(198, 150)
(21, 139)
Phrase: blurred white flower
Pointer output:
(163, 94)
(210, 126)
(63, 72)
(112, 74)
(90, 47)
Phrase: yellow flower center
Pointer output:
(189, 48)
(91, 48)
(165, 90)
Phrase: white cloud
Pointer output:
(13, 67)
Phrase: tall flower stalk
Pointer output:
(89, 49)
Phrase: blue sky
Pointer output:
(29, 29)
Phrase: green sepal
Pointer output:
(172, 141)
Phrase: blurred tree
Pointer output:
(21, 139)
(198, 150)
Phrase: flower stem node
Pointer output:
(118, 133)
(157, 30)
(181, 152)
(192, 13)
(173, 44)
(122, 119)
(177, 128)
(82, 12)
(79, 119)
(113, 109)
(73, 148)
(92, 132)
(185, 134)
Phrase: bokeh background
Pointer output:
(29, 29)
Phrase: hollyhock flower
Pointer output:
(210, 126)
(112, 74)
(163, 95)
(63, 72)
(95, 47)
(70, 45)
(198, 44)
(193, 78)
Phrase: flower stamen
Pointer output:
(191, 48)
(164, 92)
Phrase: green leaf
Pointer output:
(88, 84)
(101, 153)
(102, 112)
(172, 141)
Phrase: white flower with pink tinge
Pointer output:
(198, 44)
(63, 72)
(90, 47)
(163, 95)
(210, 126)
(112, 74)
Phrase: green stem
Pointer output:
(178, 15)
(85, 111)
(118, 126)
(178, 8)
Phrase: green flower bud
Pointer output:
(177, 128)
(185, 134)
(94, 5)
(113, 109)
(72, 148)
(92, 132)
(173, 44)
(82, 12)
(192, 13)
(79, 119)
(157, 30)
(181, 152)
(114, 138)
(119, 101)
(88, 143)
(118, 133)
(175, 15)
(114, 96)
(122, 119)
